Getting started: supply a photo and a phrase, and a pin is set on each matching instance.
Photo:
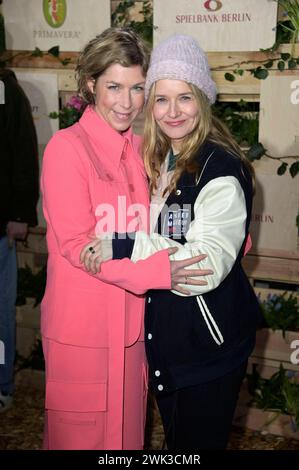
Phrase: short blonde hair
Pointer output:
(113, 46)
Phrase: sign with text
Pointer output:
(275, 208)
(69, 24)
(218, 25)
(276, 201)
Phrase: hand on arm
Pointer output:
(218, 230)
(92, 257)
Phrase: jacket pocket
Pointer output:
(79, 397)
(209, 320)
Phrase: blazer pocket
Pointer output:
(78, 397)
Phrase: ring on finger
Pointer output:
(92, 250)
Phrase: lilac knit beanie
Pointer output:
(179, 57)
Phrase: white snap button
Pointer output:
(157, 373)
(160, 388)
(149, 336)
(178, 192)
(149, 300)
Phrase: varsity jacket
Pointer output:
(197, 338)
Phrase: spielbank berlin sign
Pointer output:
(69, 24)
(218, 25)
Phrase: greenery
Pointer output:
(258, 150)
(70, 113)
(291, 8)
(31, 285)
(281, 312)
(242, 120)
(280, 393)
(287, 31)
(122, 17)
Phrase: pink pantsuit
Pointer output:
(92, 325)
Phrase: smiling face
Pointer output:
(175, 110)
(119, 95)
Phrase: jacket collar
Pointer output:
(106, 139)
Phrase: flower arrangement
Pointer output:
(279, 393)
(70, 113)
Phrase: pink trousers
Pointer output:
(78, 397)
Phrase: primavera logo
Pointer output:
(213, 5)
(54, 12)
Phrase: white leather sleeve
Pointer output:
(218, 230)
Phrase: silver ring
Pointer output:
(92, 250)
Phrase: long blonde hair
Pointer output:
(208, 127)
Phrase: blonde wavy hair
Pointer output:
(208, 127)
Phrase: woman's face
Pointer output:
(175, 110)
(119, 95)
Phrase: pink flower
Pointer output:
(76, 102)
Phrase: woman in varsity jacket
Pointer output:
(198, 337)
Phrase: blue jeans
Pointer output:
(8, 294)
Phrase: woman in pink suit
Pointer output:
(93, 180)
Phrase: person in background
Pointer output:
(92, 325)
(18, 198)
(197, 342)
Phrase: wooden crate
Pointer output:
(246, 87)
(272, 265)
(265, 421)
(272, 349)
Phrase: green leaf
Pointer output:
(285, 56)
(282, 169)
(269, 64)
(66, 61)
(54, 51)
(281, 66)
(294, 169)
(53, 115)
(261, 73)
(256, 152)
(230, 77)
(292, 64)
(37, 53)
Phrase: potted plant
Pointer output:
(271, 405)
(281, 328)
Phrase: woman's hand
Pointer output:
(180, 275)
(91, 256)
